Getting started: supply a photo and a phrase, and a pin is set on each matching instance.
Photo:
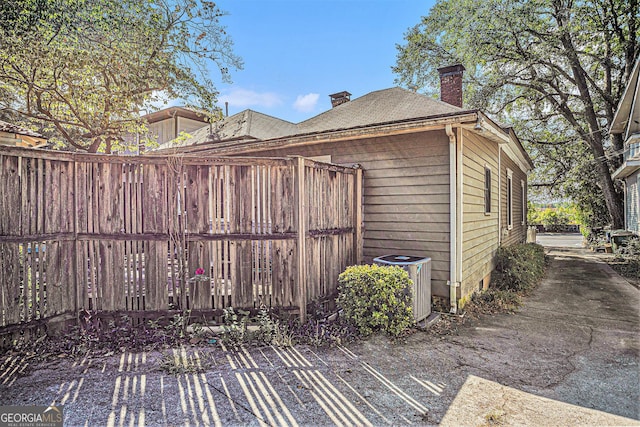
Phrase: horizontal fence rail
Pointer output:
(158, 233)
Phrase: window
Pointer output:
(632, 150)
(487, 190)
(523, 194)
(509, 199)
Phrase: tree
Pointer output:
(555, 68)
(86, 68)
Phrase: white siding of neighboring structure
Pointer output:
(633, 202)
(189, 125)
(165, 130)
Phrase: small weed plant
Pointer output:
(263, 329)
(271, 331)
(376, 298)
(235, 331)
(496, 417)
(180, 361)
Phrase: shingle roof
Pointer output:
(11, 128)
(249, 123)
(382, 106)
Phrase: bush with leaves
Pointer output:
(627, 260)
(376, 298)
(519, 267)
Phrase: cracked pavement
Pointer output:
(570, 356)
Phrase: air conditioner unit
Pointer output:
(419, 270)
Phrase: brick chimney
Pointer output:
(339, 98)
(451, 84)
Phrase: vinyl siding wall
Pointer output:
(633, 202)
(165, 130)
(518, 233)
(406, 194)
(479, 229)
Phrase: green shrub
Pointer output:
(627, 261)
(376, 298)
(519, 267)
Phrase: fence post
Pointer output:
(358, 242)
(302, 234)
(79, 264)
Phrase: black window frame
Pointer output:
(487, 190)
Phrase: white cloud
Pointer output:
(306, 103)
(243, 98)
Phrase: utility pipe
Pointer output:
(453, 205)
(499, 195)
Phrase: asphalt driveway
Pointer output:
(560, 240)
(570, 356)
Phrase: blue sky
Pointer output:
(296, 53)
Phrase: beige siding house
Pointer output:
(480, 215)
(626, 122)
(434, 175)
(166, 125)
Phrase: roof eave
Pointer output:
(627, 169)
(505, 137)
(623, 112)
(360, 132)
(171, 112)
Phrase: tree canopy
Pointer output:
(85, 69)
(555, 69)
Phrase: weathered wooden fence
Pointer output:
(130, 234)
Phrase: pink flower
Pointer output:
(199, 271)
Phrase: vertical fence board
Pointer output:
(197, 208)
(154, 199)
(11, 196)
(51, 190)
(284, 279)
(81, 269)
(156, 295)
(33, 191)
(119, 289)
(67, 195)
(241, 223)
(53, 283)
(67, 264)
(24, 212)
(3, 190)
(10, 275)
(127, 233)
